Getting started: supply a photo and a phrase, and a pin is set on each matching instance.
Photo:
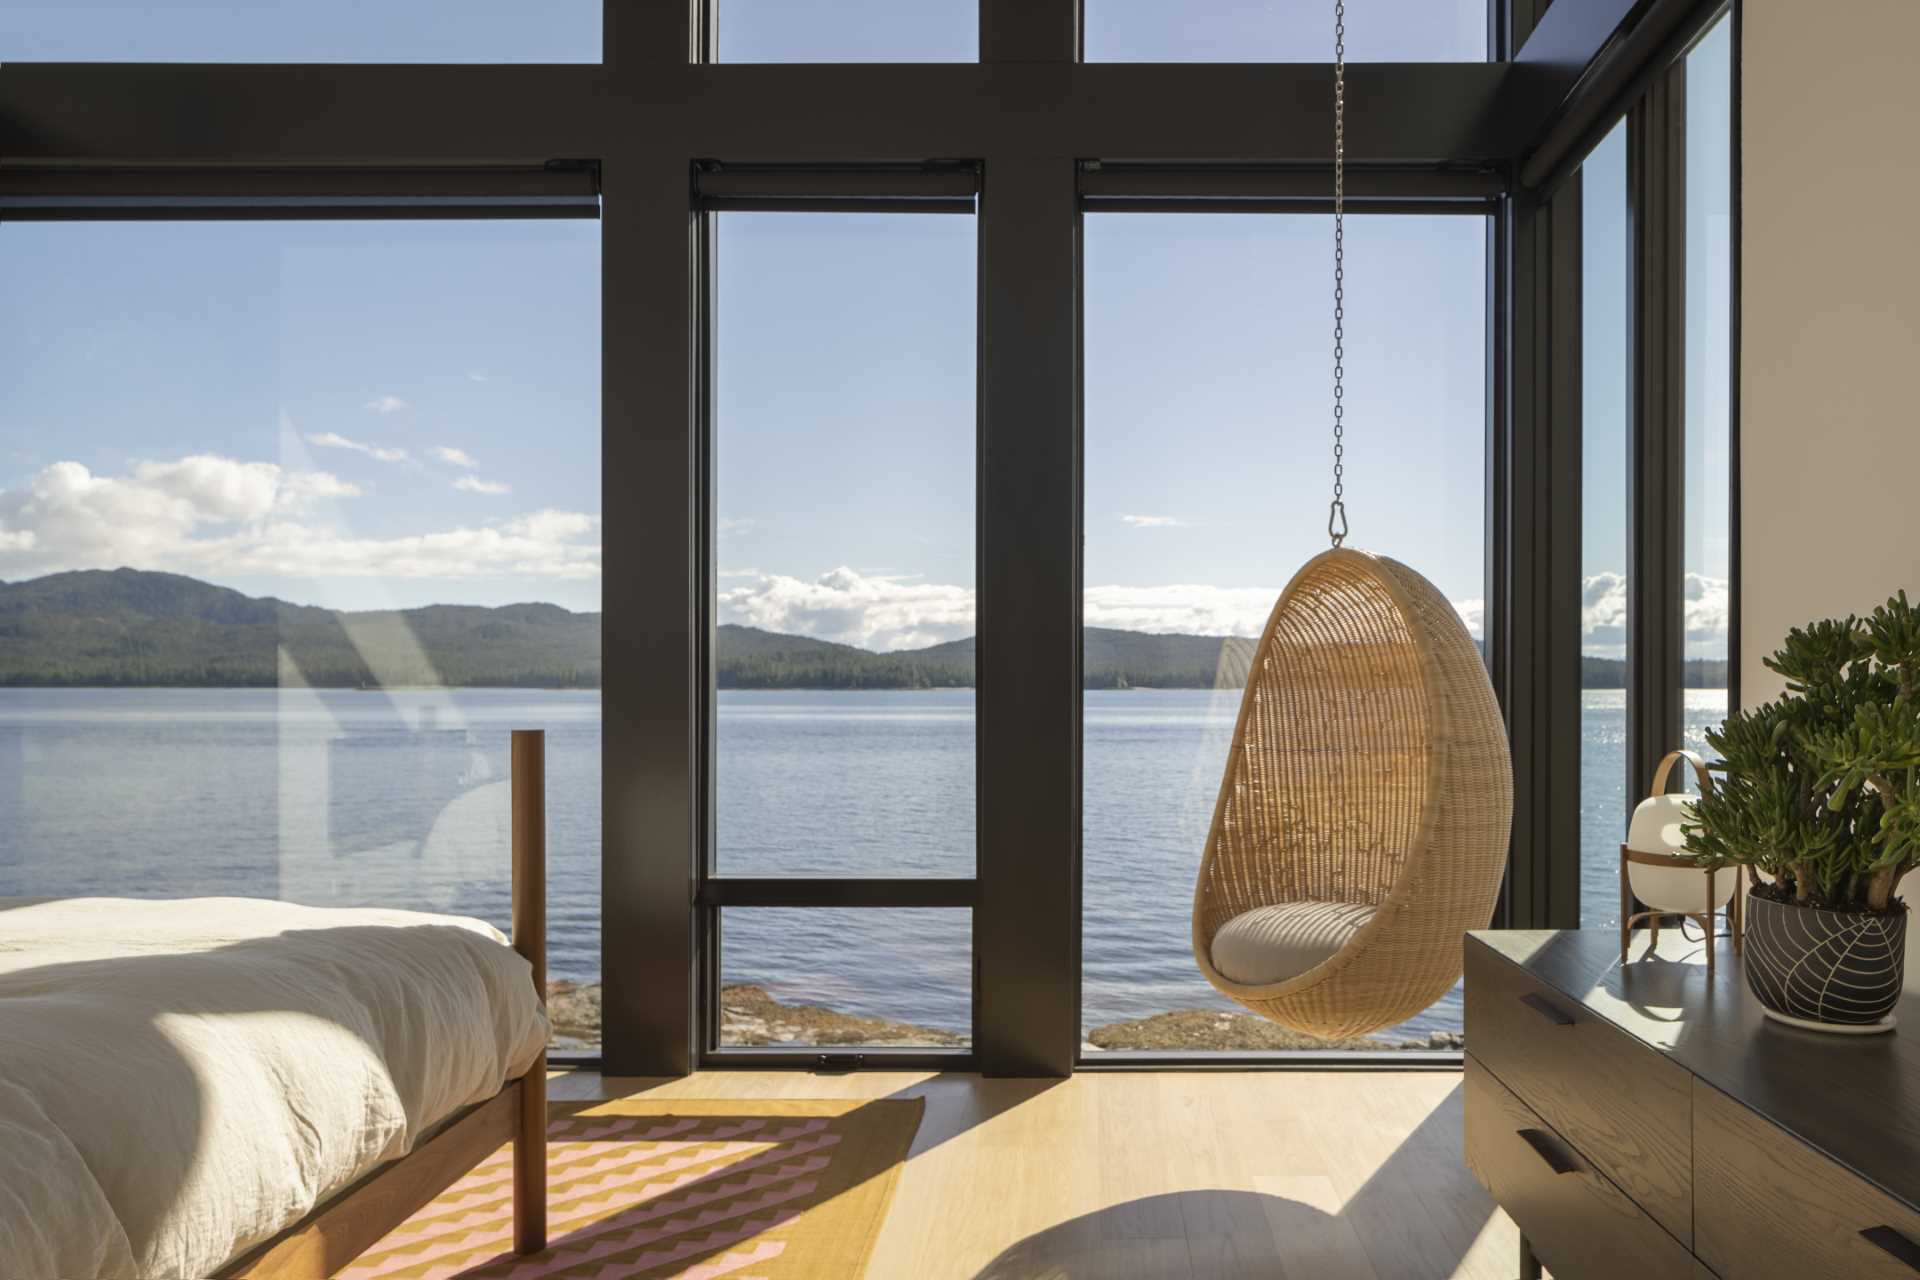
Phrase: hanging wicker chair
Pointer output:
(1363, 820)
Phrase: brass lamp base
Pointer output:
(1629, 917)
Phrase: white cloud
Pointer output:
(1603, 615)
(476, 377)
(735, 527)
(333, 440)
(852, 608)
(474, 484)
(385, 404)
(216, 517)
(895, 613)
(1154, 522)
(554, 526)
(1188, 609)
(455, 457)
(1473, 613)
(883, 612)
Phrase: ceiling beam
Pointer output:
(1585, 65)
(91, 114)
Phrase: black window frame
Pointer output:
(87, 140)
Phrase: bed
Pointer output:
(238, 1087)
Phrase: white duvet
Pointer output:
(181, 1080)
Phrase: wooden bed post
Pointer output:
(530, 940)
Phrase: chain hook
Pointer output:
(1337, 522)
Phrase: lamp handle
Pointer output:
(1666, 767)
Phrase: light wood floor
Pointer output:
(1227, 1176)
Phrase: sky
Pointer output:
(358, 415)
(392, 414)
(750, 30)
(1707, 527)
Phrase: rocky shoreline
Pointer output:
(751, 1017)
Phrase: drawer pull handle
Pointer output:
(1896, 1244)
(1547, 1009)
(1558, 1158)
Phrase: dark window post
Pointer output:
(654, 601)
(1027, 925)
(1656, 344)
(1537, 555)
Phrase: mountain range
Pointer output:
(128, 627)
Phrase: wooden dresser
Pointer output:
(1643, 1122)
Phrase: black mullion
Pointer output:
(652, 510)
(648, 37)
(1029, 30)
(1537, 640)
(1027, 925)
(810, 892)
(1562, 588)
(1656, 194)
(837, 1058)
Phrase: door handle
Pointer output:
(1558, 1158)
(1547, 1009)
(1894, 1243)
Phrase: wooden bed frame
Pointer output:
(355, 1219)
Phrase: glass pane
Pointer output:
(844, 489)
(1709, 383)
(1208, 460)
(843, 975)
(300, 31)
(1603, 547)
(849, 30)
(282, 564)
(1282, 31)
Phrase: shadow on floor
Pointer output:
(1416, 1218)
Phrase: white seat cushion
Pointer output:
(1272, 944)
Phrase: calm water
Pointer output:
(400, 799)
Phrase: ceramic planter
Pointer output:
(1840, 970)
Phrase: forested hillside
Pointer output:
(125, 627)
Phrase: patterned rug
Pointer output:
(644, 1190)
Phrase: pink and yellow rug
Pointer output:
(644, 1190)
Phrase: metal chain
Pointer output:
(1337, 512)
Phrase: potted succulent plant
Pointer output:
(1819, 793)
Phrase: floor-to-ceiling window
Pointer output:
(1209, 455)
(791, 779)
(1709, 343)
(843, 445)
(1604, 423)
(297, 521)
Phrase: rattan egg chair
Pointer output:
(1363, 820)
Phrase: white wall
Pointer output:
(1829, 321)
(1830, 316)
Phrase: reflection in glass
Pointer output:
(285, 561)
(1208, 461)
